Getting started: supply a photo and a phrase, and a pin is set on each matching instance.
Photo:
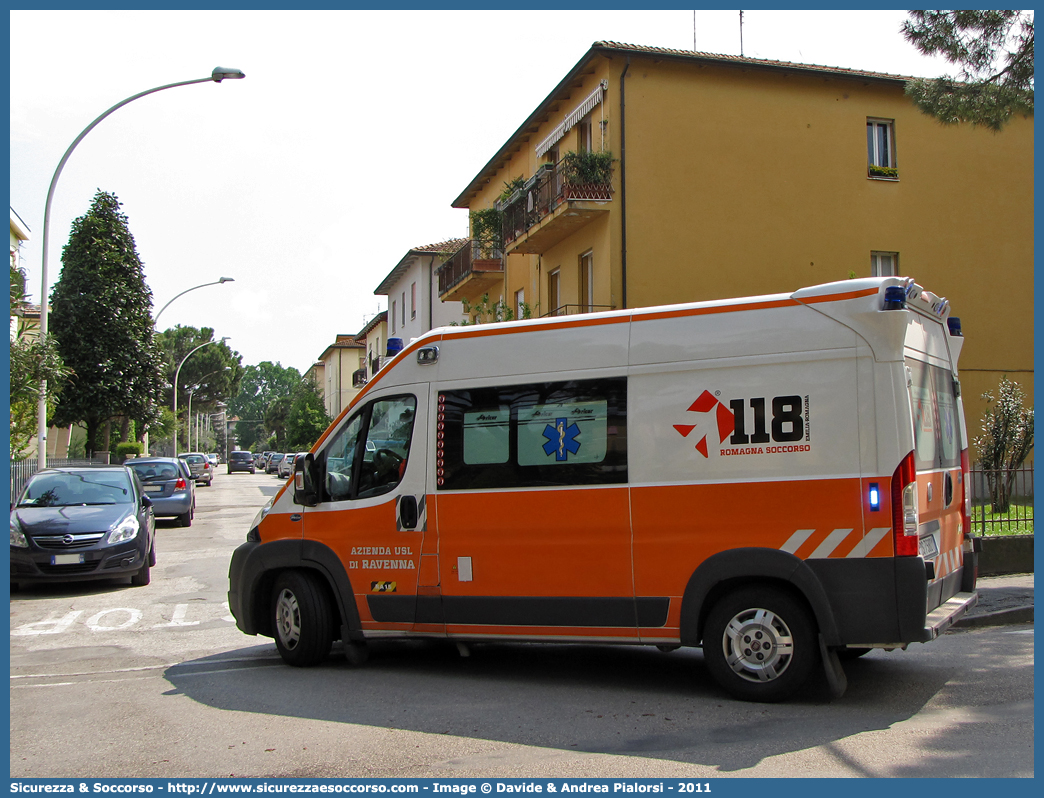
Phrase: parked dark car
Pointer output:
(240, 461)
(202, 470)
(169, 483)
(72, 524)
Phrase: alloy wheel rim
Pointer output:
(288, 619)
(758, 645)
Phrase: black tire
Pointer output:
(302, 619)
(759, 644)
(852, 653)
(142, 577)
(185, 519)
(152, 554)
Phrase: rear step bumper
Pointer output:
(947, 614)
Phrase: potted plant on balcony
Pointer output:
(487, 233)
(587, 175)
(588, 168)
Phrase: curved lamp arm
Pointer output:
(216, 76)
(219, 281)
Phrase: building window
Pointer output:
(403, 308)
(880, 148)
(413, 300)
(540, 434)
(587, 282)
(394, 315)
(884, 264)
(584, 135)
(554, 281)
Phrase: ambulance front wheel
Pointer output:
(759, 644)
(302, 618)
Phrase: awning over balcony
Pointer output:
(575, 116)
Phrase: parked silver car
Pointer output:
(202, 470)
(272, 467)
(169, 483)
(286, 465)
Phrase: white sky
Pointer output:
(343, 147)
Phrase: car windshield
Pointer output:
(70, 490)
(193, 459)
(148, 472)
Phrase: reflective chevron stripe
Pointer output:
(832, 541)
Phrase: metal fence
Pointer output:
(21, 470)
(1019, 517)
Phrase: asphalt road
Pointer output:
(113, 681)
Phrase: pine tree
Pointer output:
(994, 51)
(101, 316)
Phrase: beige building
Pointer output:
(651, 176)
(334, 370)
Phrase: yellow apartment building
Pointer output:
(727, 176)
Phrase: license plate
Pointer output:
(154, 489)
(927, 547)
(66, 559)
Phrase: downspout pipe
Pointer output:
(431, 295)
(623, 186)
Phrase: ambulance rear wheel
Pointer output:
(302, 619)
(759, 644)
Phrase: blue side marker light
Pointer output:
(894, 298)
(875, 496)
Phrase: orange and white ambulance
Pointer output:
(779, 479)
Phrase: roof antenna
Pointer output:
(694, 31)
(741, 34)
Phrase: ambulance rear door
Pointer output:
(938, 447)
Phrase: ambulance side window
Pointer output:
(340, 460)
(531, 435)
(367, 456)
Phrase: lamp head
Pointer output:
(220, 73)
(226, 279)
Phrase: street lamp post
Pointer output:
(204, 285)
(219, 74)
(177, 373)
(194, 388)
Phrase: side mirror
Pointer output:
(306, 492)
(146, 502)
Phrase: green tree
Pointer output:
(1006, 441)
(276, 415)
(212, 375)
(31, 361)
(260, 386)
(101, 317)
(307, 418)
(994, 52)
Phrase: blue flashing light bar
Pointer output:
(894, 297)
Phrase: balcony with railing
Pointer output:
(556, 202)
(473, 270)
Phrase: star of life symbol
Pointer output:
(561, 439)
(715, 418)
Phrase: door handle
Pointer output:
(407, 512)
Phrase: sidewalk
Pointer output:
(1002, 600)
